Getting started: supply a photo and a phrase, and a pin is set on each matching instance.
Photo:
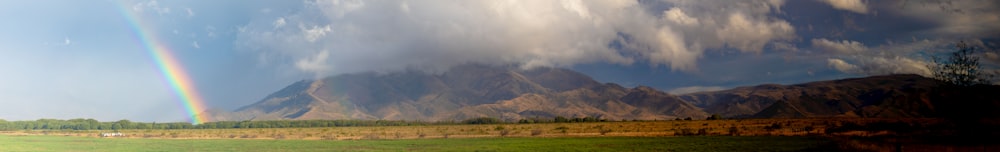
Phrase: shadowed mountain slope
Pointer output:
(512, 93)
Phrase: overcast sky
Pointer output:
(81, 59)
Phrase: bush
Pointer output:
(686, 132)
(774, 126)
(536, 132)
(562, 128)
(605, 131)
(714, 117)
(504, 133)
(702, 132)
(733, 131)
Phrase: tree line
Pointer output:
(87, 124)
(91, 124)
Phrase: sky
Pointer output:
(89, 58)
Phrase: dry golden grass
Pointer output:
(744, 127)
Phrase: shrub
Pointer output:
(605, 131)
(536, 132)
(733, 131)
(686, 132)
(774, 126)
(504, 133)
(714, 117)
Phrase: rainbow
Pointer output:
(169, 66)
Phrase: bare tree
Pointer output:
(962, 67)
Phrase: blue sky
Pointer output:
(80, 59)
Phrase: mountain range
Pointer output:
(512, 93)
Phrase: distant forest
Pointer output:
(91, 124)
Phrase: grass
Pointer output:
(714, 135)
(687, 143)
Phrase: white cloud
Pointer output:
(843, 47)
(316, 64)
(749, 34)
(678, 16)
(280, 22)
(842, 66)
(195, 45)
(190, 13)
(882, 66)
(434, 35)
(339, 8)
(693, 89)
(315, 32)
(151, 5)
(857, 6)
(66, 41)
(896, 65)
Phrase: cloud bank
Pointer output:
(906, 58)
(343, 36)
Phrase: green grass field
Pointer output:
(687, 143)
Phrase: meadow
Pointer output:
(742, 127)
(834, 134)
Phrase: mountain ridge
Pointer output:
(511, 93)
